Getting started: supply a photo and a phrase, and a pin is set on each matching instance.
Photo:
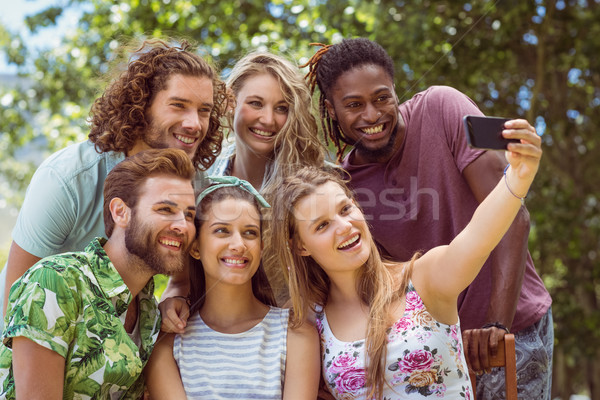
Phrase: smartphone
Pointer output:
(486, 132)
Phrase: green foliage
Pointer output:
(535, 60)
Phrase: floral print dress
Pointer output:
(424, 358)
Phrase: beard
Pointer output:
(382, 152)
(139, 241)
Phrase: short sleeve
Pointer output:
(47, 216)
(42, 307)
(452, 106)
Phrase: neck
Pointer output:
(249, 166)
(342, 289)
(231, 308)
(134, 273)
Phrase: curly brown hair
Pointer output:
(118, 117)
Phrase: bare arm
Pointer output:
(302, 365)
(507, 261)
(18, 262)
(161, 372)
(39, 372)
(463, 258)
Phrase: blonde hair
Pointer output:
(377, 286)
(296, 145)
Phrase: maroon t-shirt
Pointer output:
(420, 199)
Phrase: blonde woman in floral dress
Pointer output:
(389, 330)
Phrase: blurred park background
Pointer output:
(535, 59)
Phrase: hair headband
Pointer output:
(232, 181)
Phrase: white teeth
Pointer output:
(185, 139)
(234, 261)
(373, 130)
(348, 242)
(173, 243)
(262, 133)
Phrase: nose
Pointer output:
(191, 122)
(372, 114)
(267, 117)
(237, 243)
(343, 224)
(181, 225)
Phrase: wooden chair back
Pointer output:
(506, 358)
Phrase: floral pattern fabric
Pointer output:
(424, 358)
(75, 304)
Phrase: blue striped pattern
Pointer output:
(247, 365)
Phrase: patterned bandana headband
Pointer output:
(232, 181)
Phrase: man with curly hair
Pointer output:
(168, 97)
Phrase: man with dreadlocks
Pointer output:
(419, 184)
(167, 97)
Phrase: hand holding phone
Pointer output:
(486, 132)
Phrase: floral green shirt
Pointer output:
(75, 304)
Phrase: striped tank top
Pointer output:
(248, 365)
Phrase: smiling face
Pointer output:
(260, 113)
(364, 104)
(179, 115)
(229, 242)
(161, 228)
(332, 230)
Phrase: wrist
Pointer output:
(513, 189)
(184, 298)
(495, 325)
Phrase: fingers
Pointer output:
(483, 340)
(496, 335)
(475, 342)
(172, 323)
(531, 142)
(174, 312)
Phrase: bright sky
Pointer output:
(13, 16)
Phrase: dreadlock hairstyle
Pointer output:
(260, 284)
(328, 64)
(118, 117)
(378, 283)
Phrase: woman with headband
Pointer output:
(236, 342)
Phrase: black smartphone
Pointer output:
(486, 132)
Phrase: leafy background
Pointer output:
(534, 59)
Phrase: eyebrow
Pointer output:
(354, 96)
(188, 101)
(319, 218)
(173, 204)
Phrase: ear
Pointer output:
(298, 248)
(195, 250)
(120, 212)
(330, 110)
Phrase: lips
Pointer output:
(170, 242)
(235, 262)
(350, 242)
(373, 129)
(188, 140)
(262, 133)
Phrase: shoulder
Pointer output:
(446, 98)
(78, 158)
(304, 332)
